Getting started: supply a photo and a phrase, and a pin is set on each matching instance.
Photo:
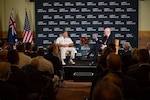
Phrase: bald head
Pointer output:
(35, 62)
(114, 62)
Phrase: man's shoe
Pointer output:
(71, 61)
(63, 63)
(92, 63)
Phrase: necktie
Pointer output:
(104, 40)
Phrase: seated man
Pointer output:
(66, 44)
(108, 38)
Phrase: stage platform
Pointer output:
(82, 67)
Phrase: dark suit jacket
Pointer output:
(19, 79)
(130, 89)
(141, 73)
(109, 40)
(98, 77)
(56, 63)
(7, 92)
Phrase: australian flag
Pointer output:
(12, 34)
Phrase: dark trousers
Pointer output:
(95, 50)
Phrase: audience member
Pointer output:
(34, 50)
(130, 90)
(107, 50)
(113, 46)
(112, 78)
(46, 67)
(18, 77)
(141, 71)
(134, 56)
(28, 49)
(102, 68)
(3, 55)
(38, 84)
(125, 56)
(54, 59)
(58, 69)
(23, 59)
(107, 91)
(101, 71)
(7, 92)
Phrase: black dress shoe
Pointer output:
(92, 63)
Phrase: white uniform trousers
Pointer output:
(63, 51)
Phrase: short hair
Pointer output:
(106, 27)
(134, 53)
(34, 47)
(143, 55)
(3, 55)
(27, 46)
(113, 78)
(4, 71)
(64, 31)
(106, 91)
(50, 48)
(127, 46)
(20, 47)
(13, 56)
(107, 50)
(114, 62)
(41, 52)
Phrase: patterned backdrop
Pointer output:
(85, 18)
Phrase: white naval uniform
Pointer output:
(67, 40)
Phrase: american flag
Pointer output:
(27, 34)
(12, 34)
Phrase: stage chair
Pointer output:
(117, 45)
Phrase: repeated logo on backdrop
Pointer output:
(86, 18)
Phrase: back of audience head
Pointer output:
(114, 62)
(143, 56)
(113, 46)
(4, 71)
(3, 55)
(113, 78)
(134, 53)
(41, 52)
(107, 91)
(50, 48)
(28, 46)
(34, 47)
(107, 51)
(126, 46)
(102, 62)
(20, 47)
(13, 57)
(35, 62)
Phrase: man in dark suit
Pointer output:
(141, 72)
(7, 91)
(108, 38)
(18, 78)
(129, 89)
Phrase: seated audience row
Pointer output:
(135, 83)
